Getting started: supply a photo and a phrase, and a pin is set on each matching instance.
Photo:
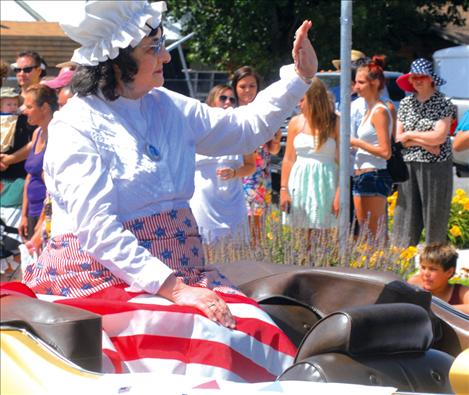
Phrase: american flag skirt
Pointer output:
(143, 332)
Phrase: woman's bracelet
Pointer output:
(283, 188)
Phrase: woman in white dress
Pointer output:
(309, 181)
(218, 202)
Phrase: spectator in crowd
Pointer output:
(62, 84)
(423, 123)
(9, 103)
(218, 203)
(119, 166)
(29, 67)
(309, 168)
(356, 57)
(372, 183)
(461, 139)
(359, 107)
(437, 266)
(257, 186)
(15, 149)
(40, 102)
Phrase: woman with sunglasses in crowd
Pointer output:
(423, 124)
(119, 167)
(257, 186)
(218, 202)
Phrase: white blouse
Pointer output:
(100, 173)
(219, 206)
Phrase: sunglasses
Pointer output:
(224, 98)
(26, 70)
(158, 44)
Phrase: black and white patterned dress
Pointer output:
(422, 117)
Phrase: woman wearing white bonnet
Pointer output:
(120, 169)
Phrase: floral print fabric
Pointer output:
(258, 186)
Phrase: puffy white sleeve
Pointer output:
(79, 180)
(241, 130)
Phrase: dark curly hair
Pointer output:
(88, 80)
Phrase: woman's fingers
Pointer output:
(218, 311)
(205, 300)
(303, 53)
(225, 173)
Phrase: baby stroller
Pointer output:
(9, 253)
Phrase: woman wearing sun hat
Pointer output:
(120, 170)
(423, 123)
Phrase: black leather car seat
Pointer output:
(385, 344)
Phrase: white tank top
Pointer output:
(367, 132)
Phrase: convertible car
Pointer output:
(363, 329)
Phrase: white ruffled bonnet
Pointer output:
(105, 26)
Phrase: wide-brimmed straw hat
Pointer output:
(419, 66)
(106, 26)
(69, 65)
(354, 55)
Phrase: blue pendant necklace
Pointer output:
(150, 149)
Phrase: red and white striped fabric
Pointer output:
(144, 333)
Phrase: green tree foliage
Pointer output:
(231, 33)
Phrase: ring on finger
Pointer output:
(211, 305)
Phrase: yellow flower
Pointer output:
(354, 264)
(409, 253)
(466, 205)
(275, 216)
(460, 192)
(270, 236)
(455, 231)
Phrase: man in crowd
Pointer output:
(29, 68)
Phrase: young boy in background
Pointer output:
(437, 266)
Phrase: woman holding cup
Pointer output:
(218, 202)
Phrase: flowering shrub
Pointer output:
(288, 245)
(462, 277)
(458, 224)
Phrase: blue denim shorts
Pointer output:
(373, 183)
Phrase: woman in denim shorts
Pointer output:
(372, 183)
